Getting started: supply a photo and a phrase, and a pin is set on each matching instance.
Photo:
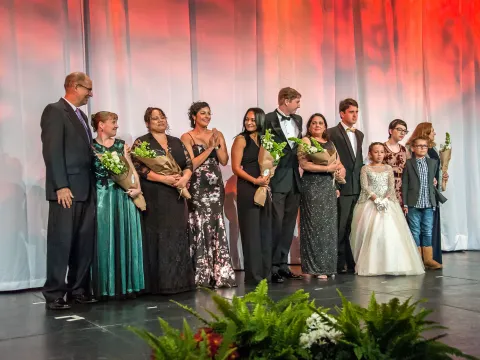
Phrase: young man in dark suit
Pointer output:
(348, 140)
(419, 198)
(70, 191)
(285, 184)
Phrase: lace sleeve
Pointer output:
(364, 181)
(189, 164)
(141, 168)
(391, 185)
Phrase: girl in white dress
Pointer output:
(381, 241)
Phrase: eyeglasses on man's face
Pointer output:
(86, 88)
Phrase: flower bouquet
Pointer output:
(269, 156)
(121, 172)
(160, 164)
(318, 155)
(445, 156)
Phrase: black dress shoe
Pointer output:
(289, 275)
(276, 278)
(58, 304)
(83, 299)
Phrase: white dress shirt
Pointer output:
(289, 127)
(352, 138)
(73, 106)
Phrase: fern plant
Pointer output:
(265, 329)
(176, 345)
(388, 331)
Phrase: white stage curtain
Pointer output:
(414, 60)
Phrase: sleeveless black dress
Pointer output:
(255, 221)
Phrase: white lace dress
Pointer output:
(381, 241)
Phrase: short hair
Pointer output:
(289, 94)
(423, 129)
(102, 116)
(194, 109)
(149, 111)
(393, 125)
(73, 78)
(423, 138)
(309, 122)
(345, 104)
(370, 147)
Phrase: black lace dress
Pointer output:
(168, 265)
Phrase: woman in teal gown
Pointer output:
(118, 265)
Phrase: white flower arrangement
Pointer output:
(319, 332)
(306, 148)
(275, 149)
(448, 143)
(112, 162)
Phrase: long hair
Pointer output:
(259, 120)
(423, 130)
(309, 122)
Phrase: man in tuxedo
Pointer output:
(70, 191)
(348, 142)
(285, 184)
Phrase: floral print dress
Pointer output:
(208, 237)
(397, 161)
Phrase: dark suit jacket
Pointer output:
(353, 164)
(411, 181)
(67, 152)
(287, 174)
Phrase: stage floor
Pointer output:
(28, 331)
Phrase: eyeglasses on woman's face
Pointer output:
(402, 131)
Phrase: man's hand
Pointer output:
(405, 210)
(64, 197)
(435, 182)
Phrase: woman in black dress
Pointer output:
(168, 265)
(318, 205)
(254, 220)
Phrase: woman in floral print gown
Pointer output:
(208, 237)
(396, 155)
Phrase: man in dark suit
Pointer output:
(348, 142)
(285, 184)
(70, 191)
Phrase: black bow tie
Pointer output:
(284, 118)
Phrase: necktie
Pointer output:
(82, 121)
(352, 129)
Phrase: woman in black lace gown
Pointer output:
(318, 205)
(168, 265)
(207, 148)
(254, 220)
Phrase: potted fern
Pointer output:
(257, 327)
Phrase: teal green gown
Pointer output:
(118, 267)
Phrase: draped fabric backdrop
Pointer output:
(418, 60)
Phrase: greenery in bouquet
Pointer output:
(257, 327)
(144, 151)
(112, 162)
(275, 149)
(448, 144)
(306, 148)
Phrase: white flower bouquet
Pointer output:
(121, 172)
(268, 158)
(445, 157)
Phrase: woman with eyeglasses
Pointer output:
(168, 265)
(208, 236)
(396, 154)
(426, 129)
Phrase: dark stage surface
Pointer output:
(27, 331)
